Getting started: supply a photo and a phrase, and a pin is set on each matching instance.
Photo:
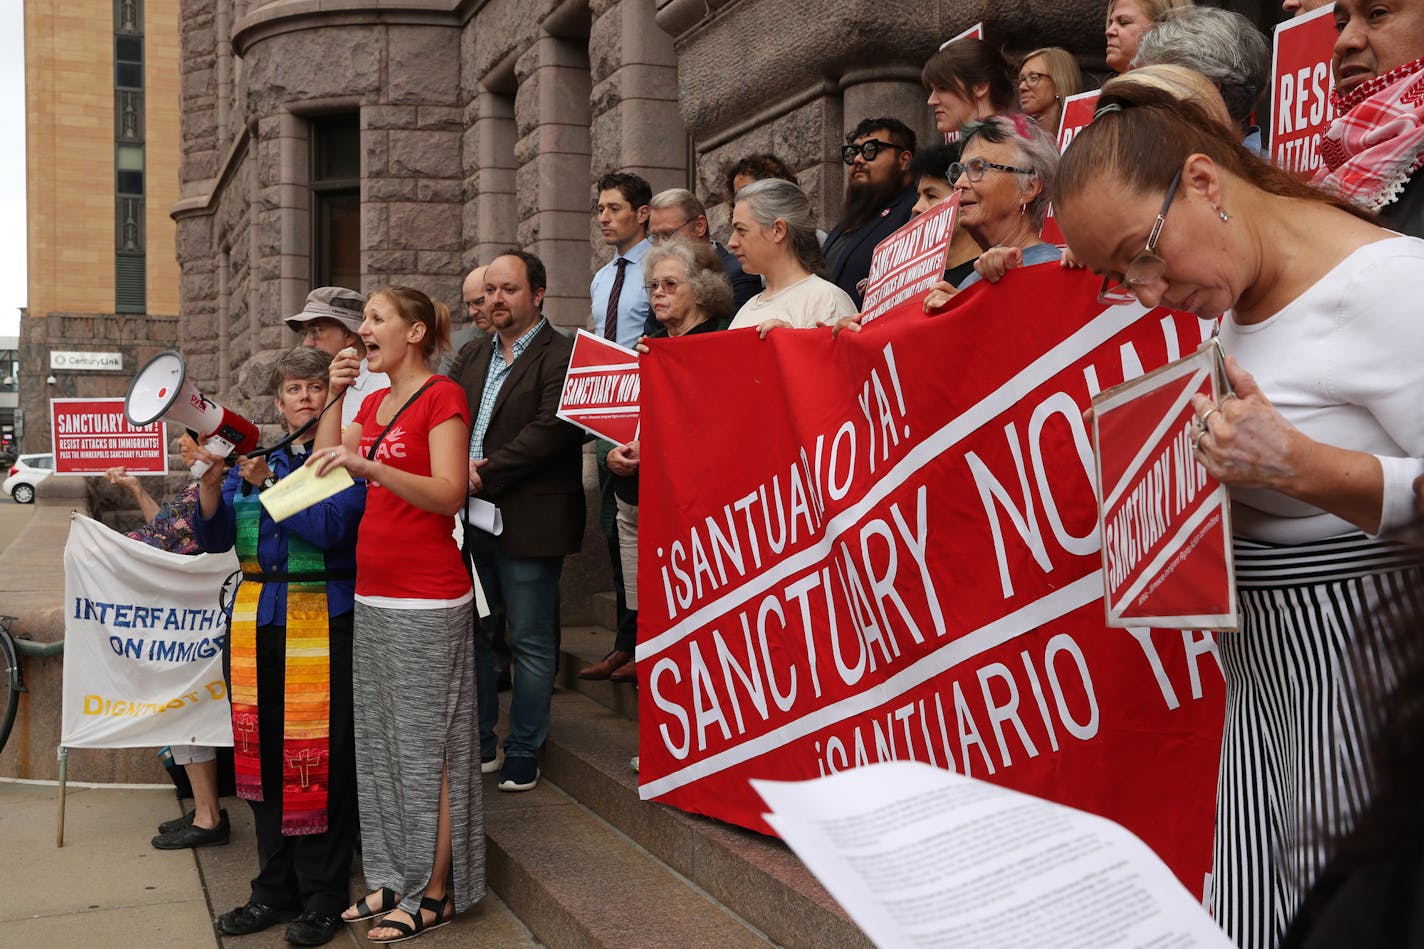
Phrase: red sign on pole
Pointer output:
(910, 261)
(1301, 82)
(903, 563)
(93, 435)
(601, 389)
(1165, 522)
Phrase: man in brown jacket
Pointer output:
(528, 464)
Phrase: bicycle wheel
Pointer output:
(9, 685)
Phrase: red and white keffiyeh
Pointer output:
(1376, 142)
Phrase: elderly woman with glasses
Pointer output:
(689, 295)
(1005, 182)
(1046, 77)
(1319, 444)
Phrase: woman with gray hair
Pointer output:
(774, 235)
(689, 294)
(1223, 46)
(1005, 183)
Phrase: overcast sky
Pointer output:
(12, 166)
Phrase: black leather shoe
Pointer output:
(313, 929)
(252, 917)
(178, 823)
(191, 835)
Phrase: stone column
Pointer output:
(491, 208)
(553, 181)
(636, 123)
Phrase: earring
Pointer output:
(1023, 208)
(1221, 213)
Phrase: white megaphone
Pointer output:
(161, 390)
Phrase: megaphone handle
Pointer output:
(217, 445)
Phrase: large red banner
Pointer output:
(883, 546)
(1301, 81)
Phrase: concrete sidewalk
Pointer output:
(108, 887)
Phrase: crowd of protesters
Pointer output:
(1168, 195)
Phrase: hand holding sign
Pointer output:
(1244, 440)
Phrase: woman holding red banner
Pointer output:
(689, 294)
(1005, 184)
(1319, 443)
(774, 235)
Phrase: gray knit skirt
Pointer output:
(414, 687)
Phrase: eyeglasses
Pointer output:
(974, 169)
(869, 148)
(1032, 79)
(657, 237)
(474, 304)
(1146, 266)
(666, 285)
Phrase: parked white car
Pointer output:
(25, 473)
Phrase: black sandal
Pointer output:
(390, 899)
(418, 924)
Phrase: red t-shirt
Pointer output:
(402, 551)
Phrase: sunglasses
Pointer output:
(869, 149)
(974, 169)
(1147, 266)
(666, 285)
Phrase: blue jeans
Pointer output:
(528, 591)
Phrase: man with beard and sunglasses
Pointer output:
(879, 194)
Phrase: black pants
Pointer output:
(310, 872)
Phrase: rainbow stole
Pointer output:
(306, 699)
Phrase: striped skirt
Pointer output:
(414, 686)
(1294, 750)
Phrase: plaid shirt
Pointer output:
(498, 371)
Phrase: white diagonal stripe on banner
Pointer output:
(1043, 610)
(1168, 419)
(1102, 328)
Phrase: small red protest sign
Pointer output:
(93, 435)
(1165, 522)
(1077, 115)
(910, 261)
(975, 32)
(601, 389)
(1301, 82)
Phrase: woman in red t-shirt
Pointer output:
(413, 662)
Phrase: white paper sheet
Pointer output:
(485, 515)
(923, 857)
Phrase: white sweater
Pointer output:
(1344, 363)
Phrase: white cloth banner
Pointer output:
(144, 632)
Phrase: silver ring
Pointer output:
(1196, 442)
(1214, 410)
